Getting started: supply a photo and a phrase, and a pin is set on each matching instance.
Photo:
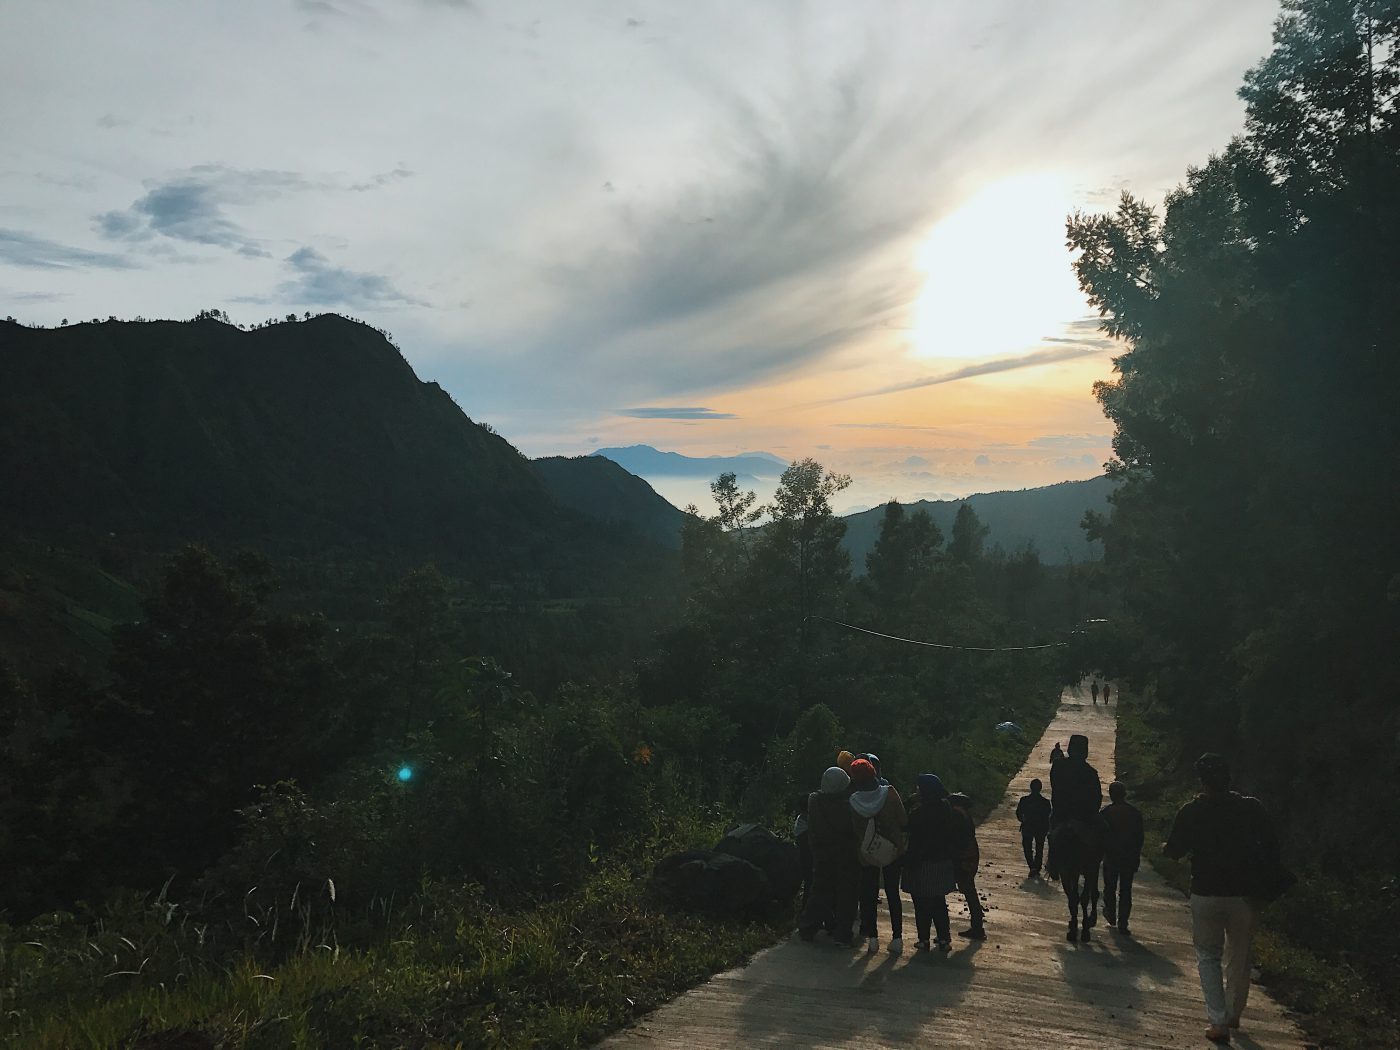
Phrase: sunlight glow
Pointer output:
(998, 277)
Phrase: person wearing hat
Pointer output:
(873, 801)
(1076, 793)
(929, 874)
(1226, 835)
(844, 760)
(831, 902)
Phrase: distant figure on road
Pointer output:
(966, 861)
(1227, 835)
(935, 833)
(1094, 691)
(1075, 792)
(1105, 692)
(1122, 856)
(881, 803)
(831, 903)
(1033, 811)
(1056, 754)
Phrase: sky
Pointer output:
(814, 229)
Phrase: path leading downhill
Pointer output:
(1025, 986)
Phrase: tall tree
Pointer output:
(969, 534)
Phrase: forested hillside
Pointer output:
(1254, 527)
(1048, 518)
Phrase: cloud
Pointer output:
(983, 460)
(916, 461)
(383, 179)
(1086, 460)
(1001, 364)
(662, 412)
(884, 426)
(1068, 441)
(319, 283)
(18, 248)
(192, 207)
(109, 121)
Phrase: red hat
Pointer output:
(862, 772)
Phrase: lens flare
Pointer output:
(405, 773)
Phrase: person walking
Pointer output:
(1105, 694)
(1228, 836)
(967, 858)
(1033, 811)
(1094, 691)
(929, 875)
(1076, 793)
(880, 804)
(831, 902)
(1057, 754)
(1121, 856)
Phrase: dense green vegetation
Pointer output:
(1253, 531)
(245, 818)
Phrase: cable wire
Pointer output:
(940, 645)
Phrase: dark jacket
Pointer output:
(936, 832)
(1122, 835)
(1077, 792)
(1226, 834)
(829, 828)
(1033, 811)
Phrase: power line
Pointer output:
(940, 645)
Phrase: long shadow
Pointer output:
(1093, 971)
(925, 984)
(1040, 887)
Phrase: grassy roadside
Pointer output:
(444, 969)
(1297, 947)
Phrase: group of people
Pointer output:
(1095, 688)
(856, 836)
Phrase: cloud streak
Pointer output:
(317, 282)
(981, 368)
(18, 248)
(662, 412)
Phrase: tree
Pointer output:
(968, 536)
(420, 624)
(904, 552)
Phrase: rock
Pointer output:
(776, 858)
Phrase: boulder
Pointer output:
(706, 880)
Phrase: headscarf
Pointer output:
(835, 781)
(862, 774)
(931, 788)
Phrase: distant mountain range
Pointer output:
(600, 488)
(645, 461)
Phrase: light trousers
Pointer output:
(1221, 929)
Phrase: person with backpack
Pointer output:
(929, 875)
(1033, 811)
(878, 821)
(1076, 795)
(831, 902)
(1122, 856)
(1234, 856)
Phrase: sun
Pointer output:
(997, 272)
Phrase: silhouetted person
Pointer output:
(967, 858)
(1105, 692)
(1121, 857)
(1076, 793)
(1094, 691)
(936, 834)
(1226, 834)
(1033, 811)
(831, 904)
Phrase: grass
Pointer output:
(1301, 947)
(448, 971)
